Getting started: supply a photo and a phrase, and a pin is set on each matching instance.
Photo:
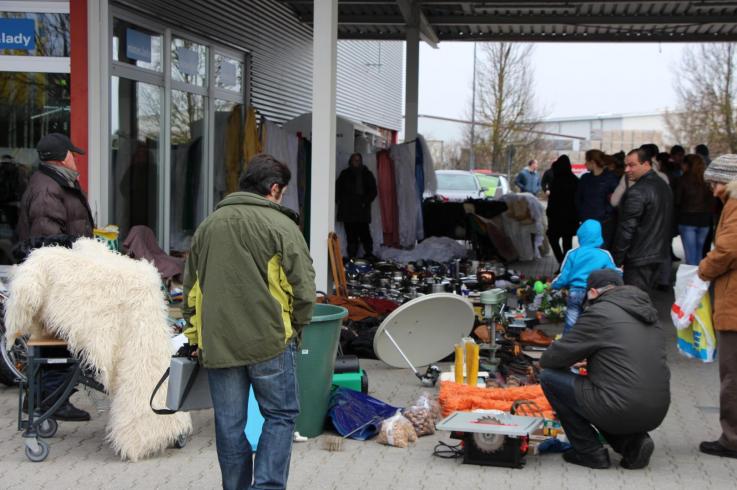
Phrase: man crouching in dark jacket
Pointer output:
(626, 393)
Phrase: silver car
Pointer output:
(458, 185)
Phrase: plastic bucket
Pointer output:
(315, 364)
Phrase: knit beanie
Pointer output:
(722, 169)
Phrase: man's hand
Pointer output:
(581, 364)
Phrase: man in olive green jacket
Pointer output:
(249, 288)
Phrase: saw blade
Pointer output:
(488, 443)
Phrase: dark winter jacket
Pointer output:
(561, 211)
(627, 389)
(355, 190)
(53, 205)
(645, 223)
(592, 196)
(547, 180)
(694, 203)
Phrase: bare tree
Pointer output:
(707, 91)
(506, 107)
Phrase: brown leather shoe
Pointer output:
(531, 336)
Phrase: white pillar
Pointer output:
(322, 203)
(98, 125)
(412, 76)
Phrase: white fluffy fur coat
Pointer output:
(111, 311)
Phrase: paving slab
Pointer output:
(80, 458)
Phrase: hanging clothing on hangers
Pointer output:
(387, 198)
(284, 147)
(408, 206)
(376, 226)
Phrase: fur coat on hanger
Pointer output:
(111, 311)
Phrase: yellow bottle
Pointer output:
(459, 364)
(472, 364)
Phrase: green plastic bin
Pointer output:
(315, 365)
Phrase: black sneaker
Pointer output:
(637, 453)
(598, 460)
(715, 448)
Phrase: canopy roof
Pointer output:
(534, 20)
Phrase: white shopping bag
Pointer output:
(689, 291)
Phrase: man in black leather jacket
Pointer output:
(643, 235)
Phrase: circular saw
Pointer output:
(488, 443)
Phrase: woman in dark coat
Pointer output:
(562, 214)
(355, 190)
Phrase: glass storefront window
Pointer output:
(187, 167)
(135, 133)
(188, 62)
(228, 73)
(137, 46)
(51, 34)
(228, 146)
(31, 106)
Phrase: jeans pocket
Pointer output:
(269, 368)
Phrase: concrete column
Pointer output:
(98, 86)
(412, 76)
(322, 203)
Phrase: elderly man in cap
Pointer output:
(54, 210)
(626, 391)
(53, 203)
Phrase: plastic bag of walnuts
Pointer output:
(422, 415)
(396, 431)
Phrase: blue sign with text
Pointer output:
(137, 45)
(18, 34)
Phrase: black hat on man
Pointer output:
(604, 277)
(54, 146)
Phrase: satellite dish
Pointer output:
(424, 330)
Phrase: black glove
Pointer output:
(187, 350)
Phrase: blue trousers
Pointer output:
(275, 385)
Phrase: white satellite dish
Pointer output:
(424, 330)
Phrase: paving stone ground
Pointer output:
(80, 458)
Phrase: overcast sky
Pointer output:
(574, 79)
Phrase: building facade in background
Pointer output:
(609, 133)
(157, 91)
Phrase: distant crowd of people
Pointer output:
(626, 211)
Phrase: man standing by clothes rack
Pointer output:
(54, 210)
(355, 190)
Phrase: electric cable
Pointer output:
(446, 451)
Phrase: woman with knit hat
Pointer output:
(720, 267)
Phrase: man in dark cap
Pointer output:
(53, 203)
(626, 390)
(54, 210)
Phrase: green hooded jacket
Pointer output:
(249, 285)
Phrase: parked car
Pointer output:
(496, 184)
(458, 185)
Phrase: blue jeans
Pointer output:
(275, 386)
(693, 238)
(576, 297)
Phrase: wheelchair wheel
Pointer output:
(48, 428)
(41, 454)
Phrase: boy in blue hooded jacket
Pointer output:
(578, 264)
